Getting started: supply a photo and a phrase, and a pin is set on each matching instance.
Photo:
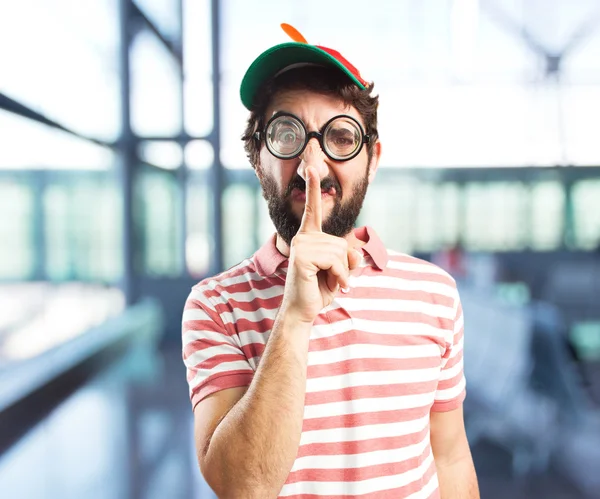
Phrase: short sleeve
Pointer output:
(451, 392)
(213, 358)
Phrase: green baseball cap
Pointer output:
(292, 54)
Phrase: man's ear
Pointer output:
(374, 161)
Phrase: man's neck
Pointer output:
(284, 249)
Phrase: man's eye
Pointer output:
(342, 138)
(343, 141)
(287, 137)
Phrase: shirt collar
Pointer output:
(268, 259)
(374, 247)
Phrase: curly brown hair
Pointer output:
(319, 79)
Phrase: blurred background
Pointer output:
(123, 182)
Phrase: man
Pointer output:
(324, 365)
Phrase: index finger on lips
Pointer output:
(311, 218)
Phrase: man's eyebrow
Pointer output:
(341, 130)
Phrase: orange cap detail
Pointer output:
(293, 33)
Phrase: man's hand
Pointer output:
(319, 262)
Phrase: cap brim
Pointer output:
(277, 58)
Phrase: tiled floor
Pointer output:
(128, 434)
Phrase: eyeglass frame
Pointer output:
(260, 135)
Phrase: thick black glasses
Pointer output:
(341, 138)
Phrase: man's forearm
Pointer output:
(254, 447)
(458, 479)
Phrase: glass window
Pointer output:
(37, 317)
(586, 204)
(449, 214)
(199, 242)
(59, 252)
(17, 258)
(61, 59)
(157, 213)
(155, 88)
(83, 239)
(496, 216)
(390, 209)
(239, 223)
(27, 144)
(582, 63)
(164, 154)
(164, 14)
(199, 155)
(427, 217)
(469, 126)
(197, 56)
(233, 123)
(547, 215)
(581, 108)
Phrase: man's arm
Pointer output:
(456, 472)
(247, 441)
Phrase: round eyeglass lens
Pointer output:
(285, 136)
(342, 138)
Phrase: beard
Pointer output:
(341, 219)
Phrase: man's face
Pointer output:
(343, 183)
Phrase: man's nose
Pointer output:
(313, 156)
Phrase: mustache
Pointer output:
(298, 183)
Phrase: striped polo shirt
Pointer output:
(381, 357)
